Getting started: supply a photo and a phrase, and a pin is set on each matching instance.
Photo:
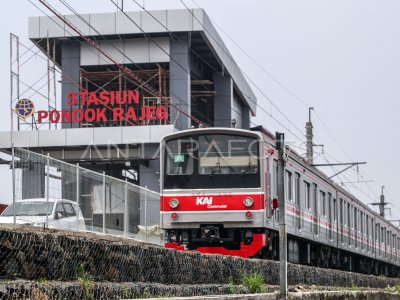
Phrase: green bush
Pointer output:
(253, 281)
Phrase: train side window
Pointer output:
(275, 171)
(289, 186)
(307, 195)
(334, 210)
(355, 226)
(323, 203)
(367, 230)
(344, 222)
(297, 188)
(355, 219)
(315, 190)
(341, 224)
(362, 223)
(379, 238)
(393, 240)
(349, 221)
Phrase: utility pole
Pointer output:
(382, 204)
(309, 137)
(280, 144)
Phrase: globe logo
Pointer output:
(24, 108)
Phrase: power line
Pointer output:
(248, 78)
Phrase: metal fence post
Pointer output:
(145, 213)
(47, 188)
(126, 216)
(78, 194)
(13, 182)
(104, 202)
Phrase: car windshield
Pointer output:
(39, 208)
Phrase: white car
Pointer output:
(62, 214)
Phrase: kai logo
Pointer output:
(204, 200)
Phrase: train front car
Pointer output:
(212, 191)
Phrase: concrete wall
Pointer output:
(223, 101)
(126, 51)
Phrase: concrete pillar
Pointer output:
(179, 67)
(245, 117)
(223, 101)
(70, 64)
(33, 181)
(149, 175)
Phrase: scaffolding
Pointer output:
(157, 78)
(32, 90)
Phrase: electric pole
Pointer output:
(381, 204)
(309, 137)
(280, 144)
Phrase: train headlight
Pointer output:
(174, 203)
(248, 202)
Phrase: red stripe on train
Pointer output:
(213, 202)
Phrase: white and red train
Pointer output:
(218, 195)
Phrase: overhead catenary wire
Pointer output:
(245, 74)
(269, 114)
(277, 81)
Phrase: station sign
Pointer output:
(96, 107)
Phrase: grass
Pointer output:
(394, 289)
(254, 281)
(86, 282)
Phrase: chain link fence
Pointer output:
(51, 193)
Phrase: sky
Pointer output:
(339, 56)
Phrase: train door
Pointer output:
(267, 192)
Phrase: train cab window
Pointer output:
(297, 188)
(179, 157)
(223, 154)
(289, 186)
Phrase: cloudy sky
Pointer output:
(340, 56)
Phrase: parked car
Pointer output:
(62, 213)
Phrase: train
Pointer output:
(219, 195)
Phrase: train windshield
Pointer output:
(212, 161)
(227, 154)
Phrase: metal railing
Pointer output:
(100, 203)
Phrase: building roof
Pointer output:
(205, 39)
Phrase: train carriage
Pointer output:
(218, 195)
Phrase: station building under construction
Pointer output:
(127, 79)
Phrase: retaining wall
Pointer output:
(52, 255)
